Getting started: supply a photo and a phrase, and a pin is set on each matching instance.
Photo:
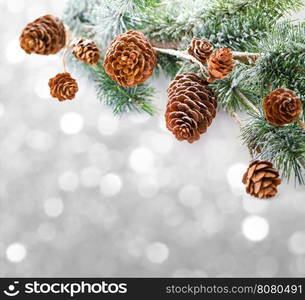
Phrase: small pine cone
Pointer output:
(63, 87)
(86, 51)
(46, 35)
(191, 107)
(220, 64)
(282, 107)
(261, 179)
(201, 49)
(130, 59)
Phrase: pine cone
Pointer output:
(282, 107)
(46, 35)
(201, 49)
(63, 87)
(261, 179)
(220, 64)
(130, 59)
(86, 51)
(191, 107)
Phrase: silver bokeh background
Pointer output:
(85, 194)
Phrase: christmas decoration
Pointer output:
(282, 107)
(201, 49)
(220, 64)
(86, 51)
(191, 107)
(157, 42)
(63, 87)
(130, 59)
(46, 35)
(261, 179)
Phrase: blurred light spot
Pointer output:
(6, 75)
(16, 252)
(110, 184)
(39, 140)
(255, 228)
(46, 232)
(148, 187)
(227, 204)
(2, 110)
(211, 221)
(157, 253)
(255, 206)
(135, 246)
(159, 142)
(267, 267)
(15, 6)
(296, 243)
(190, 195)
(234, 177)
(68, 181)
(53, 207)
(139, 118)
(14, 54)
(90, 177)
(42, 89)
(141, 160)
(108, 124)
(71, 123)
(162, 125)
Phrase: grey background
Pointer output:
(85, 194)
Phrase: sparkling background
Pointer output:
(85, 194)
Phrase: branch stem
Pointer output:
(302, 124)
(236, 119)
(246, 101)
(164, 47)
(67, 46)
(184, 55)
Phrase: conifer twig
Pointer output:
(245, 100)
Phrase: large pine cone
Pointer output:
(282, 107)
(220, 64)
(130, 59)
(261, 179)
(86, 51)
(191, 107)
(201, 49)
(46, 35)
(63, 87)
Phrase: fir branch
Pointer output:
(284, 146)
(122, 99)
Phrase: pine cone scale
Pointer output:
(130, 59)
(220, 64)
(191, 107)
(63, 87)
(281, 107)
(261, 179)
(45, 35)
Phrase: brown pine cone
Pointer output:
(220, 64)
(63, 87)
(201, 49)
(282, 107)
(86, 51)
(130, 59)
(46, 35)
(191, 107)
(261, 179)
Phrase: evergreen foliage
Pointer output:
(242, 25)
